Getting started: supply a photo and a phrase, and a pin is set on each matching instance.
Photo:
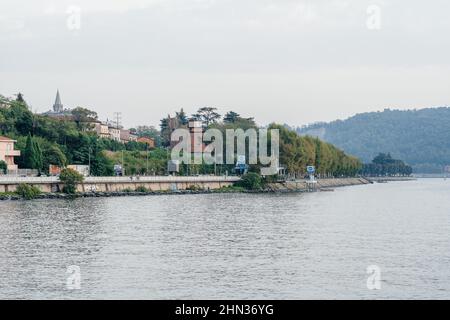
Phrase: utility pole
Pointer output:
(215, 163)
(89, 160)
(118, 117)
(168, 158)
(123, 165)
(146, 172)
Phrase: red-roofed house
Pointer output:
(7, 152)
(149, 141)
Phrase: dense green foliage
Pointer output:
(148, 132)
(70, 178)
(142, 189)
(152, 162)
(420, 137)
(27, 191)
(296, 153)
(32, 155)
(384, 165)
(250, 181)
(207, 115)
(43, 140)
(3, 167)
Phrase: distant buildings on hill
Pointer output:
(104, 129)
(3, 103)
(149, 141)
(112, 131)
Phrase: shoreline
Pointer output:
(300, 186)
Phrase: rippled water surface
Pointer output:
(232, 246)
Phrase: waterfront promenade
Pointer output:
(167, 183)
(105, 184)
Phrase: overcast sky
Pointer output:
(289, 61)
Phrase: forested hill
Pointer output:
(419, 137)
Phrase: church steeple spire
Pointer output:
(58, 107)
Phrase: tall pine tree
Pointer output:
(32, 155)
(28, 153)
(38, 157)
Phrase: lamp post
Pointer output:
(146, 171)
(215, 163)
(89, 157)
(123, 165)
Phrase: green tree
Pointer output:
(3, 167)
(38, 156)
(70, 178)
(181, 117)
(165, 131)
(83, 117)
(2, 123)
(24, 123)
(23, 118)
(251, 181)
(231, 117)
(32, 155)
(297, 152)
(384, 165)
(27, 191)
(54, 155)
(28, 154)
(207, 115)
(19, 98)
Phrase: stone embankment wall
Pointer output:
(301, 185)
(115, 184)
(166, 183)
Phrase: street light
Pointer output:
(123, 165)
(146, 171)
(89, 157)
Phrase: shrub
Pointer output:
(141, 189)
(194, 187)
(27, 191)
(3, 167)
(251, 181)
(71, 179)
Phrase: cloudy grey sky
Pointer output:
(289, 61)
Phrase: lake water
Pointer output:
(232, 246)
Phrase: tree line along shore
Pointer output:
(44, 140)
(249, 184)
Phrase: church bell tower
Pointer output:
(58, 107)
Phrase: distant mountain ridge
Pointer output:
(419, 137)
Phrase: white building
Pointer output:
(114, 133)
(102, 130)
(126, 136)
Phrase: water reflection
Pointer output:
(231, 245)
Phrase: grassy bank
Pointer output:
(140, 162)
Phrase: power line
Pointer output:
(118, 118)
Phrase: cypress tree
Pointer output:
(38, 157)
(32, 155)
(28, 153)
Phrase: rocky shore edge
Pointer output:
(286, 187)
(15, 197)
